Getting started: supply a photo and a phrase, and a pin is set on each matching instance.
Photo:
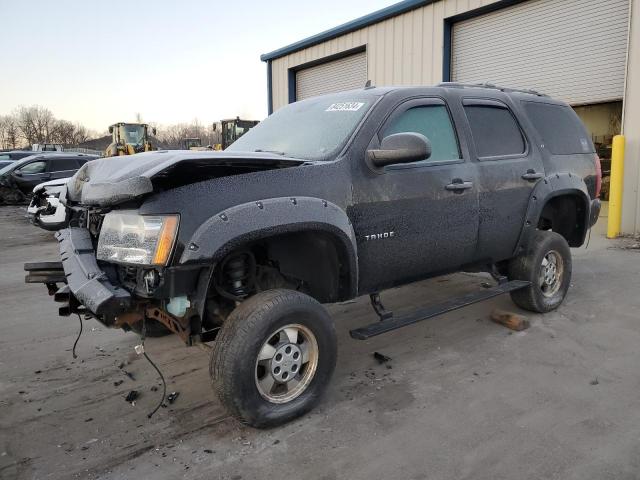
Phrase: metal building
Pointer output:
(586, 52)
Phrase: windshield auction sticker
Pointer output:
(345, 107)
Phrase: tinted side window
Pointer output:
(61, 164)
(495, 131)
(433, 122)
(33, 167)
(559, 127)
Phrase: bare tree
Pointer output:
(62, 132)
(8, 132)
(82, 134)
(173, 135)
(35, 124)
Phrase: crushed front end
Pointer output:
(114, 267)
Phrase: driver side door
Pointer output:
(419, 219)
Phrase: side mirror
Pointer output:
(403, 147)
(153, 131)
(111, 129)
(17, 174)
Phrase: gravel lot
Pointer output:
(461, 398)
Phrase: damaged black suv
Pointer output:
(329, 198)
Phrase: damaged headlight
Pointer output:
(127, 237)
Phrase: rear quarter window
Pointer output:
(560, 129)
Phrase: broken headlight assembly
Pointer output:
(126, 237)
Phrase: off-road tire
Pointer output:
(235, 352)
(528, 267)
(154, 329)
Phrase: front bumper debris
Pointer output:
(79, 283)
(86, 281)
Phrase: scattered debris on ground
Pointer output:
(510, 320)
(172, 397)
(132, 396)
(627, 242)
(380, 357)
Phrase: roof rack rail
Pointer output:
(490, 85)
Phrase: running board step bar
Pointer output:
(393, 323)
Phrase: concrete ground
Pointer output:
(462, 397)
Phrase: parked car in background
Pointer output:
(18, 179)
(10, 156)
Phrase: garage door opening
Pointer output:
(345, 73)
(603, 121)
(571, 49)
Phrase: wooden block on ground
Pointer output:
(510, 320)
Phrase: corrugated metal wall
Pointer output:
(407, 50)
(403, 50)
(336, 76)
(631, 126)
(570, 49)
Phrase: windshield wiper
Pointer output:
(269, 151)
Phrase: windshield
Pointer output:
(313, 129)
(132, 134)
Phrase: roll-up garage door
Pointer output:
(574, 50)
(335, 76)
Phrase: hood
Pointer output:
(51, 185)
(113, 180)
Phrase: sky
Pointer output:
(98, 62)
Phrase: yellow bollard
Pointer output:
(615, 187)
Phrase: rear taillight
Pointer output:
(598, 176)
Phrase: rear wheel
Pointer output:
(273, 357)
(547, 265)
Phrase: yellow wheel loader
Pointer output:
(129, 138)
(231, 130)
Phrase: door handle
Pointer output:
(532, 175)
(458, 186)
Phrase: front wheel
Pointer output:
(273, 357)
(547, 265)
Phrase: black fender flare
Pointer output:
(233, 227)
(551, 186)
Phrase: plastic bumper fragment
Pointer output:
(87, 282)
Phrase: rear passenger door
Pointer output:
(509, 166)
(63, 167)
